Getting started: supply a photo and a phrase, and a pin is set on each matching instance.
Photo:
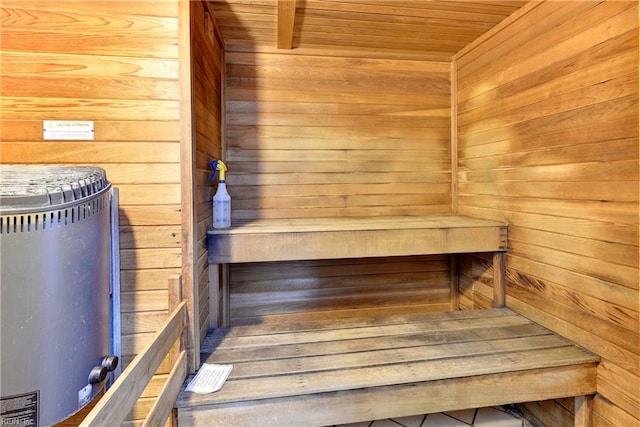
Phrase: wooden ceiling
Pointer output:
(430, 29)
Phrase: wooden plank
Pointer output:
(300, 361)
(499, 279)
(149, 236)
(150, 258)
(208, 66)
(330, 381)
(583, 411)
(612, 415)
(430, 222)
(253, 277)
(364, 345)
(454, 283)
(121, 397)
(143, 8)
(564, 308)
(286, 21)
(348, 313)
(626, 359)
(620, 385)
(326, 381)
(253, 307)
(114, 132)
(76, 152)
(187, 179)
(398, 401)
(215, 294)
(17, 108)
(453, 323)
(164, 403)
(316, 239)
(155, 300)
(380, 320)
(382, 360)
(454, 137)
(312, 245)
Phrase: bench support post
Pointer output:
(219, 297)
(583, 409)
(453, 283)
(499, 271)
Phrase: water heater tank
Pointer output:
(54, 291)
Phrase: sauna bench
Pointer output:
(265, 240)
(327, 372)
(331, 238)
(307, 373)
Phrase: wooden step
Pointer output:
(283, 369)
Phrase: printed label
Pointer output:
(20, 410)
(67, 129)
(84, 395)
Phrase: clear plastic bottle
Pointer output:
(222, 206)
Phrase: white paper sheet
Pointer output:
(211, 377)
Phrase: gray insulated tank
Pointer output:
(54, 278)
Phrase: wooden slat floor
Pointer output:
(281, 369)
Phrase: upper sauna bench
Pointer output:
(263, 240)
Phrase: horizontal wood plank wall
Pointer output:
(548, 141)
(114, 63)
(338, 288)
(310, 135)
(207, 69)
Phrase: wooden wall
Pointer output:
(115, 63)
(338, 288)
(547, 130)
(312, 135)
(207, 59)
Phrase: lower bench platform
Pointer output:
(319, 373)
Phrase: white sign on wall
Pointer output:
(68, 129)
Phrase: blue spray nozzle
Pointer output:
(218, 165)
(214, 168)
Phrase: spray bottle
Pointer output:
(221, 200)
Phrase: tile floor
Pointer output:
(483, 417)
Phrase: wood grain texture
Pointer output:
(542, 116)
(338, 239)
(432, 30)
(352, 133)
(121, 397)
(334, 238)
(207, 58)
(312, 135)
(280, 369)
(122, 75)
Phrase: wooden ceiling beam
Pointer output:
(286, 19)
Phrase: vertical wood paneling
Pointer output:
(207, 70)
(114, 63)
(548, 141)
(311, 135)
